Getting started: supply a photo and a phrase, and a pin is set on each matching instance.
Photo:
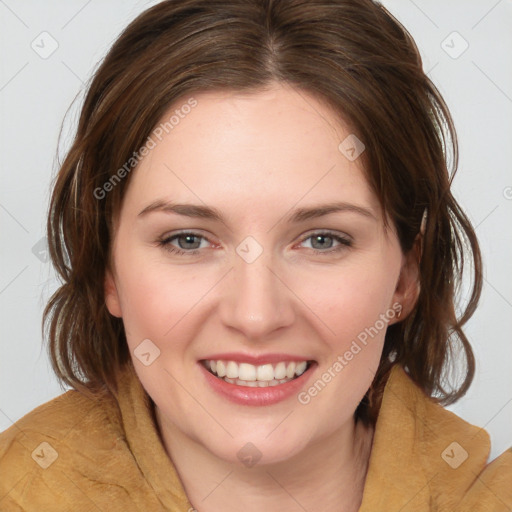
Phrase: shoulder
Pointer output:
(463, 477)
(52, 421)
(425, 454)
(491, 489)
(57, 443)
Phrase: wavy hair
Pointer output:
(352, 54)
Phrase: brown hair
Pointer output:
(353, 55)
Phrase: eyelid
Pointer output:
(345, 241)
(179, 232)
(327, 232)
(165, 240)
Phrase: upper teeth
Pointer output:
(249, 372)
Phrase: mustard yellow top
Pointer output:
(74, 454)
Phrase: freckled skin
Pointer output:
(256, 158)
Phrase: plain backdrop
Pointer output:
(49, 51)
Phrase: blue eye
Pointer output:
(186, 239)
(189, 243)
(323, 238)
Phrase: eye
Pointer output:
(322, 240)
(188, 243)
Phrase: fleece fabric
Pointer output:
(77, 454)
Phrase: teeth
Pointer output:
(301, 368)
(221, 368)
(265, 372)
(280, 371)
(232, 370)
(256, 383)
(245, 374)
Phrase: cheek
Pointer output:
(155, 297)
(348, 300)
(354, 308)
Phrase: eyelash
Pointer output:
(165, 242)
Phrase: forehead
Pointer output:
(274, 147)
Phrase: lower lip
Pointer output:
(246, 395)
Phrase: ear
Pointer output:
(408, 284)
(111, 295)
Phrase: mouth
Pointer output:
(256, 376)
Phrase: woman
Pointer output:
(259, 252)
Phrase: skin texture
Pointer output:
(256, 158)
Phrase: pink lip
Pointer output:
(256, 360)
(245, 395)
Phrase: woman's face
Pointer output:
(272, 279)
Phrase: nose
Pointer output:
(256, 300)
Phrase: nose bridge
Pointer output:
(256, 302)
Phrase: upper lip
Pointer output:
(255, 360)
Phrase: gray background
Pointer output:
(36, 90)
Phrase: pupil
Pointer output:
(188, 240)
(320, 238)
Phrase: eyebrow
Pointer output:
(296, 216)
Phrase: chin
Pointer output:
(257, 450)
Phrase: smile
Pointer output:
(265, 375)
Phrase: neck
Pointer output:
(327, 476)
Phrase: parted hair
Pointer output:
(351, 54)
